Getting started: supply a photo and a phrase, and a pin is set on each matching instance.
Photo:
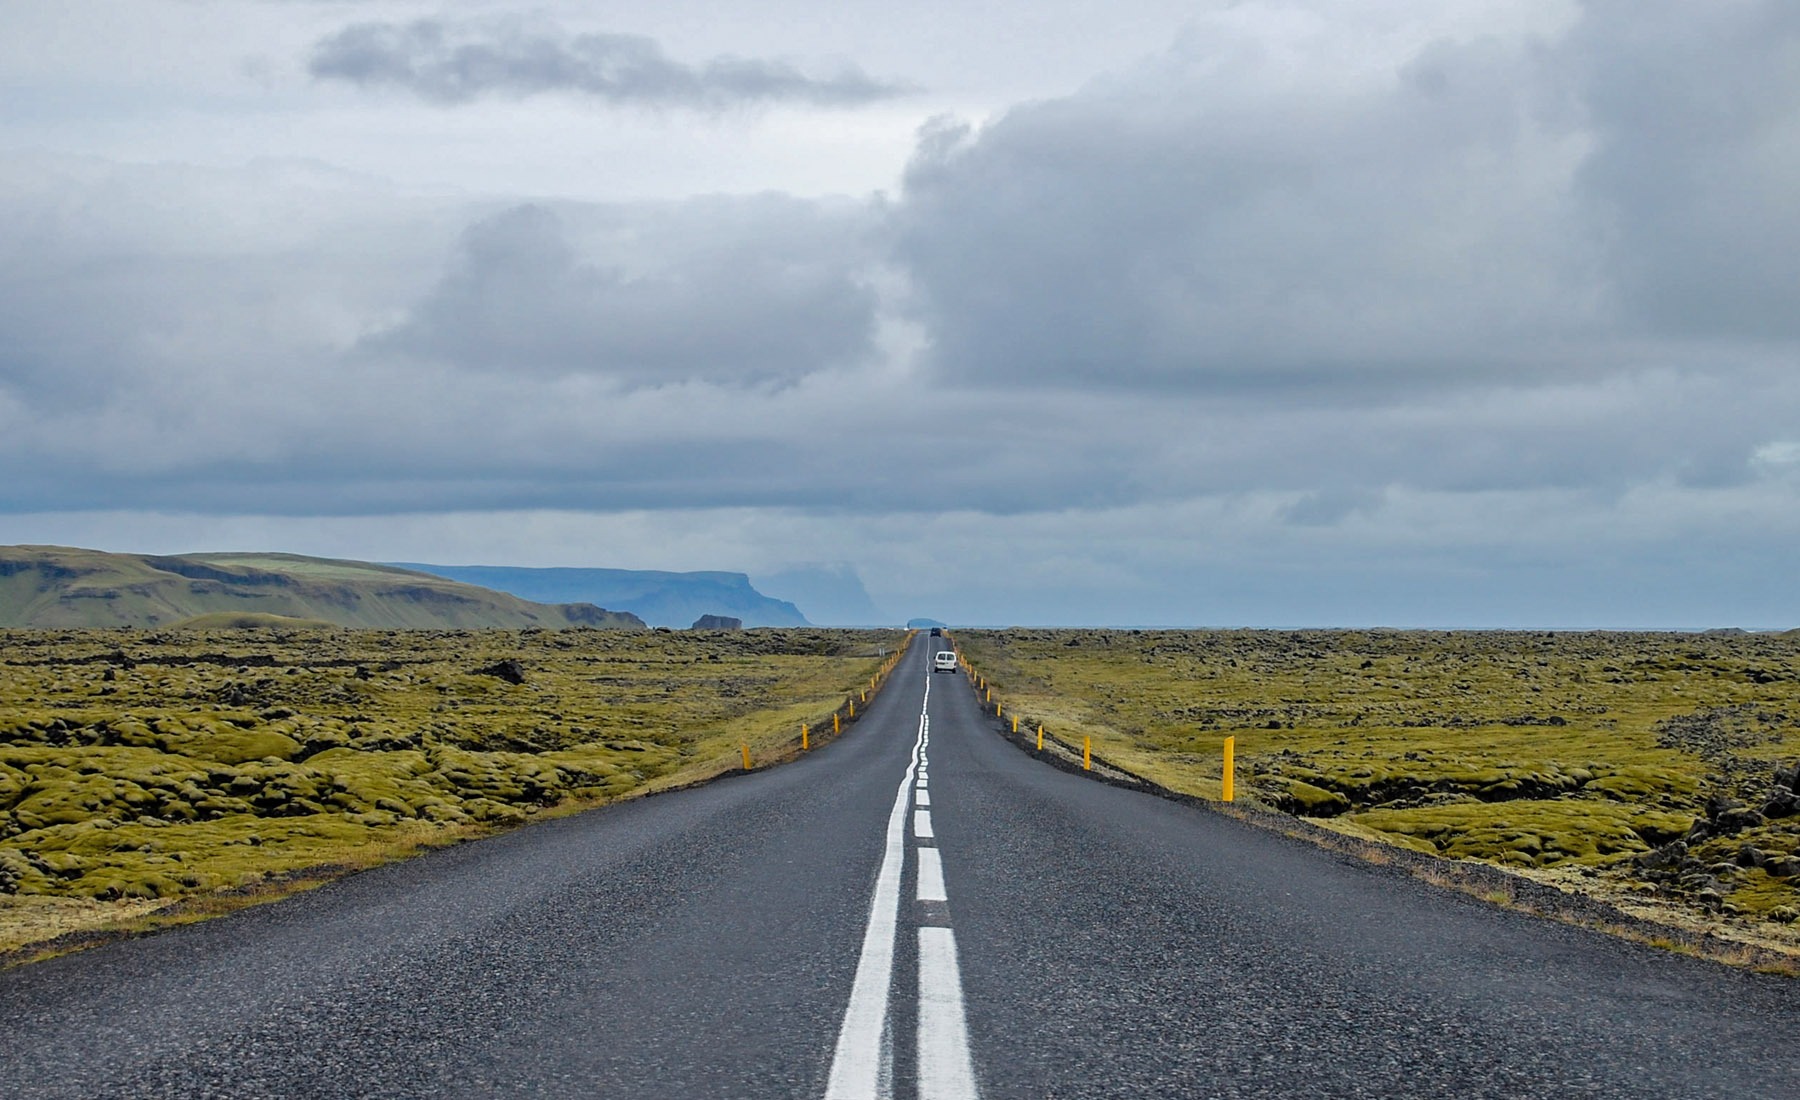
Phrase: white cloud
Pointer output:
(1233, 215)
(1780, 455)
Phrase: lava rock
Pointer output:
(1786, 867)
(1726, 816)
(717, 622)
(1669, 857)
(509, 670)
(1783, 803)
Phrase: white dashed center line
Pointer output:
(861, 1067)
(931, 876)
(945, 1069)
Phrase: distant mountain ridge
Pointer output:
(829, 593)
(659, 598)
(61, 586)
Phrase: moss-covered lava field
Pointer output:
(1660, 770)
(137, 767)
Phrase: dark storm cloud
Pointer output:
(226, 341)
(448, 61)
(1695, 119)
(1486, 211)
(742, 290)
(1190, 224)
(117, 278)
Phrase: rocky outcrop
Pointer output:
(509, 670)
(1731, 843)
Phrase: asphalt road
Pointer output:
(918, 910)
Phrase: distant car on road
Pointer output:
(937, 632)
(945, 661)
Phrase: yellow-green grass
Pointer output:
(302, 566)
(1527, 749)
(146, 767)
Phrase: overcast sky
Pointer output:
(1264, 312)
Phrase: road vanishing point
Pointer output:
(919, 909)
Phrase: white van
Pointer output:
(945, 661)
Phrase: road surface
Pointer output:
(918, 910)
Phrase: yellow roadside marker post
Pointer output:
(853, 710)
(746, 757)
(835, 728)
(803, 739)
(1015, 723)
(1227, 783)
(1040, 739)
(1087, 754)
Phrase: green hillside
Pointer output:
(59, 586)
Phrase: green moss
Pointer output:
(1526, 832)
(237, 746)
(1304, 799)
(1761, 894)
(1647, 784)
